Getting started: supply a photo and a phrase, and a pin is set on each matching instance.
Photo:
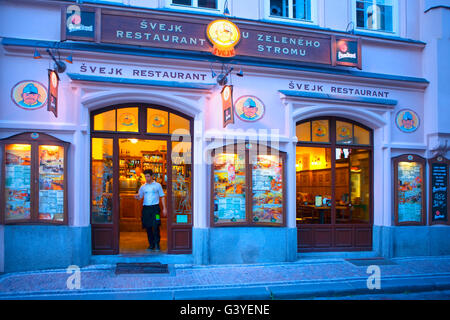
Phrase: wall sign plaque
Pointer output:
(409, 190)
(439, 195)
(407, 120)
(226, 38)
(346, 52)
(249, 108)
(79, 23)
(29, 95)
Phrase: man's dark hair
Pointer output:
(148, 171)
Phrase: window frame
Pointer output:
(395, 20)
(333, 145)
(194, 7)
(290, 19)
(248, 186)
(142, 120)
(42, 139)
(423, 213)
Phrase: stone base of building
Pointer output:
(243, 245)
(29, 248)
(405, 241)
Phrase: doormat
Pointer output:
(139, 268)
(370, 261)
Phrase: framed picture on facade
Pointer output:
(409, 190)
(439, 196)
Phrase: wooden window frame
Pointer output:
(333, 145)
(42, 139)
(432, 161)
(422, 161)
(248, 188)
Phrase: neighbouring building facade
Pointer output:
(275, 127)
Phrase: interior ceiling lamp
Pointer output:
(222, 78)
(60, 66)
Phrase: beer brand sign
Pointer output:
(225, 38)
(224, 35)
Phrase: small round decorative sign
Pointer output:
(410, 158)
(127, 119)
(407, 120)
(34, 135)
(158, 121)
(249, 108)
(29, 95)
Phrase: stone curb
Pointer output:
(262, 292)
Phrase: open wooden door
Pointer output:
(104, 206)
(180, 197)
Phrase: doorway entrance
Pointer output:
(125, 141)
(136, 156)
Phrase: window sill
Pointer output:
(180, 7)
(376, 32)
(292, 21)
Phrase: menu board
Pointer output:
(267, 186)
(410, 191)
(51, 183)
(439, 191)
(229, 188)
(18, 182)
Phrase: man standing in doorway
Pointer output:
(152, 191)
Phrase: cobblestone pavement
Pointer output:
(315, 273)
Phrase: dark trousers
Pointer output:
(151, 225)
(153, 236)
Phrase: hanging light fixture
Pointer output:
(226, 12)
(36, 55)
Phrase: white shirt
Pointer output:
(151, 193)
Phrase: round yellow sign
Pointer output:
(224, 35)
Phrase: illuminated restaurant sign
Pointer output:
(225, 38)
(53, 81)
(227, 105)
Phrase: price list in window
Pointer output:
(439, 191)
(18, 182)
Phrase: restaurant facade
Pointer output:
(277, 129)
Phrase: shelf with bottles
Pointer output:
(128, 165)
(154, 157)
(155, 161)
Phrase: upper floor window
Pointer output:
(301, 10)
(210, 4)
(376, 15)
(207, 5)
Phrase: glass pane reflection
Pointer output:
(313, 176)
(102, 180)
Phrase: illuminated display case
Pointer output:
(34, 181)
(248, 186)
(409, 190)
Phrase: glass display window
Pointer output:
(128, 119)
(105, 121)
(157, 121)
(248, 186)
(34, 183)
(409, 190)
(17, 182)
(51, 182)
